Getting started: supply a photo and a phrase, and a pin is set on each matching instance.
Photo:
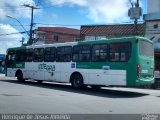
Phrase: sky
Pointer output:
(67, 13)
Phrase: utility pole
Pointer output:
(136, 20)
(134, 13)
(31, 25)
(22, 41)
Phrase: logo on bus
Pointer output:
(19, 65)
(46, 67)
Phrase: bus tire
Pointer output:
(19, 76)
(77, 81)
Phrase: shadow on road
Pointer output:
(88, 91)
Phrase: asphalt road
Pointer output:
(31, 97)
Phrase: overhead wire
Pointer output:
(4, 34)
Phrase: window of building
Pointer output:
(95, 37)
(100, 37)
(64, 54)
(81, 53)
(155, 26)
(55, 37)
(50, 54)
(90, 37)
(29, 55)
(41, 36)
(38, 54)
(99, 52)
(120, 52)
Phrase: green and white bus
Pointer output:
(127, 61)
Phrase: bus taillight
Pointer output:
(138, 70)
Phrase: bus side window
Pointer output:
(50, 54)
(85, 53)
(38, 54)
(99, 52)
(114, 52)
(75, 53)
(29, 55)
(64, 54)
(120, 52)
(125, 51)
(113, 56)
(81, 53)
(20, 55)
(67, 53)
(13, 57)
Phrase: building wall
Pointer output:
(153, 6)
(152, 20)
(96, 32)
(48, 35)
(153, 32)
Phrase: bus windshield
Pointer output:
(146, 48)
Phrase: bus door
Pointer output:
(51, 68)
(10, 59)
(38, 64)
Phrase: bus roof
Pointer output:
(120, 39)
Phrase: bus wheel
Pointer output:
(20, 77)
(77, 81)
(95, 87)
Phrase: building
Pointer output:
(47, 35)
(153, 6)
(95, 32)
(2, 58)
(152, 20)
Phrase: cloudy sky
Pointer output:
(58, 13)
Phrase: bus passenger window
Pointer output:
(123, 57)
(29, 55)
(20, 55)
(64, 54)
(120, 52)
(81, 53)
(114, 56)
(50, 54)
(99, 52)
(38, 54)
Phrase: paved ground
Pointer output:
(31, 97)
